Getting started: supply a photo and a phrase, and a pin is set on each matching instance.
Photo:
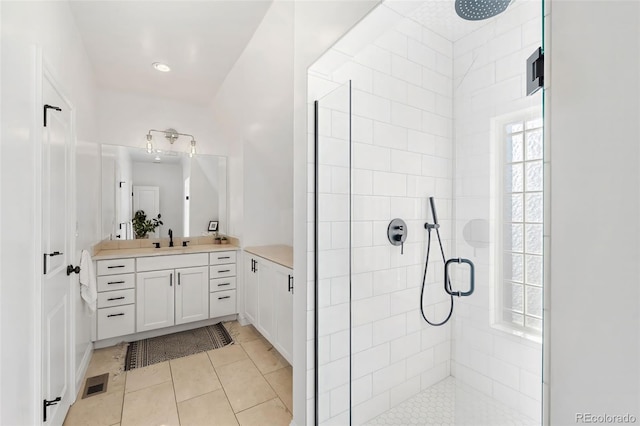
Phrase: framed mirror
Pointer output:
(187, 192)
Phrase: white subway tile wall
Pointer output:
(407, 86)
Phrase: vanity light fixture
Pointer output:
(161, 67)
(171, 135)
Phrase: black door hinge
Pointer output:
(46, 404)
(48, 107)
(535, 72)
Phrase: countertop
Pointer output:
(280, 254)
(164, 251)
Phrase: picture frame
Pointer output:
(213, 226)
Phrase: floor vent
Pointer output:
(95, 385)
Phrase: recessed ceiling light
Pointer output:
(161, 67)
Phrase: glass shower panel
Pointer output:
(332, 240)
(498, 161)
(435, 109)
(446, 115)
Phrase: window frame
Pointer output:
(497, 223)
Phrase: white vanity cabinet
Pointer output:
(222, 284)
(155, 300)
(269, 301)
(250, 289)
(115, 314)
(192, 290)
(172, 296)
(155, 291)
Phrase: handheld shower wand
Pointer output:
(429, 227)
(435, 224)
(432, 202)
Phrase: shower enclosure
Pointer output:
(418, 102)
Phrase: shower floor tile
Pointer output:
(446, 404)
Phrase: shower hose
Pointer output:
(424, 278)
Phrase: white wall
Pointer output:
(51, 26)
(593, 99)
(168, 178)
(254, 110)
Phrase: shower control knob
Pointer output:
(397, 233)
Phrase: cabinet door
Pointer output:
(154, 300)
(266, 307)
(192, 294)
(250, 290)
(284, 312)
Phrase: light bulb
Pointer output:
(192, 152)
(161, 67)
(149, 144)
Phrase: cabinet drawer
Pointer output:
(222, 303)
(115, 266)
(222, 257)
(116, 282)
(221, 271)
(116, 298)
(173, 261)
(116, 321)
(219, 284)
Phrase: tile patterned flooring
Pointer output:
(448, 404)
(247, 383)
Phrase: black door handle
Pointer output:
(71, 268)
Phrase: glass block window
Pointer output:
(522, 215)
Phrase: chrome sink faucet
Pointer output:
(170, 238)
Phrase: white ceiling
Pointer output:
(199, 40)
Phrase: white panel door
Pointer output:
(154, 300)
(251, 289)
(192, 294)
(57, 145)
(266, 307)
(283, 296)
(147, 198)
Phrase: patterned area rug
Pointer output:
(177, 345)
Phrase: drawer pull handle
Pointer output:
(220, 285)
(115, 315)
(224, 257)
(115, 266)
(224, 270)
(224, 297)
(115, 282)
(116, 298)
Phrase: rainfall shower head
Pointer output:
(477, 10)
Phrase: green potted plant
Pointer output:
(142, 226)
